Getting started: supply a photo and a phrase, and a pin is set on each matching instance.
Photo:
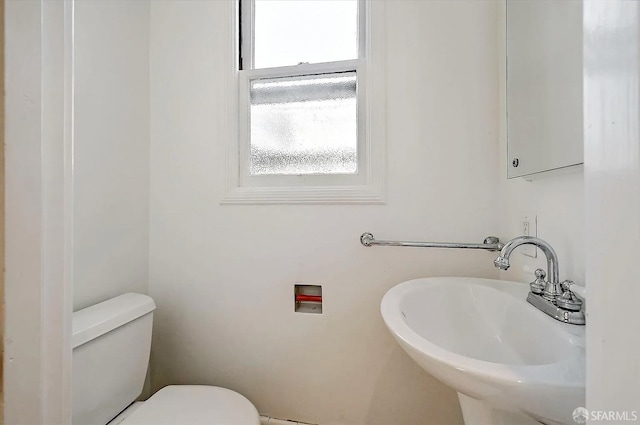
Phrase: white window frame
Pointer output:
(365, 187)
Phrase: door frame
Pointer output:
(38, 211)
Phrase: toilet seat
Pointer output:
(194, 405)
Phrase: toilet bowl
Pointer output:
(111, 347)
(192, 405)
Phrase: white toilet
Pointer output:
(111, 346)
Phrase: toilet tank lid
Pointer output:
(96, 320)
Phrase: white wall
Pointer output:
(111, 157)
(223, 276)
(612, 170)
(558, 202)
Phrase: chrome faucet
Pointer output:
(551, 297)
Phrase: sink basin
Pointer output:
(509, 362)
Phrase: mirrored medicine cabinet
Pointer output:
(544, 86)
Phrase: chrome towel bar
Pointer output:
(491, 243)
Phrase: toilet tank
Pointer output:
(111, 347)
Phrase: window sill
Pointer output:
(304, 195)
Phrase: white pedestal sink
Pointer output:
(510, 363)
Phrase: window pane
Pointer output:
(304, 125)
(288, 32)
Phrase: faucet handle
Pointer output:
(565, 284)
(568, 299)
(538, 285)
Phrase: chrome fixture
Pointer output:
(502, 262)
(551, 297)
(491, 243)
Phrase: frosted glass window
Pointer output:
(290, 32)
(304, 125)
